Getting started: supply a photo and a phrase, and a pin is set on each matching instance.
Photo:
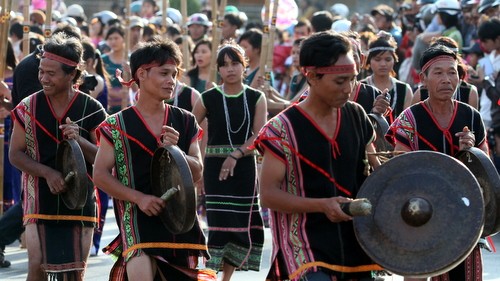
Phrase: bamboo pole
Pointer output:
(164, 5)
(185, 37)
(128, 14)
(26, 28)
(48, 19)
(215, 44)
(4, 32)
(216, 37)
(270, 47)
(264, 45)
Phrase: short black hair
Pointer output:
(16, 29)
(68, 47)
(234, 19)
(435, 51)
(489, 29)
(158, 51)
(68, 29)
(253, 36)
(323, 49)
(321, 21)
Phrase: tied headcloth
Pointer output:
(60, 59)
(374, 49)
(333, 69)
(437, 59)
(146, 66)
(235, 46)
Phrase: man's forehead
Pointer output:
(168, 66)
(46, 63)
(444, 64)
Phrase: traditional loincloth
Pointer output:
(60, 262)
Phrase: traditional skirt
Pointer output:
(235, 227)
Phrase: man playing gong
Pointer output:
(445, 125)
(58, 238)
(145, 248)
(315, 157)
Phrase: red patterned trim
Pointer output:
(333, 69)
(60, 59)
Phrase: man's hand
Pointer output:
(151, 205)
(70, 130)
(169, 136)
(332, 210)
(382, 104)
(55, 181)
(466, 138)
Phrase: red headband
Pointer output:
(436, 59)
(118, 73)
(60, 59)
(334, 69)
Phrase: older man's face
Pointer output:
(441, 79)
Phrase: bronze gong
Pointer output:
(381, 127)
(427, 214)
(171, 179)
(71, 163)
(486, 174)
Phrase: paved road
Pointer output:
(99, 266)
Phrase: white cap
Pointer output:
(76, 10)
(451, 7)
(174, 14)
(340, 10)
(341, 25)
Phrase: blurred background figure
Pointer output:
(149, 9)
(198, 25)
(233, 22)
(198, 76)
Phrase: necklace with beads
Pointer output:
(246, 116)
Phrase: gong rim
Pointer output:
(169, 168)
(486, 174)
(418, 251)
(381, 127)
(69, 157)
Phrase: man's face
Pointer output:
(301, 31)
(441, 79)
(158, 82)
(135, 35)
(334, 89)
(492, 11)
(228, 30)
(490, 45)
(53, 79)
(381, 22)
(196, 31)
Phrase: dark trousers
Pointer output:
(11, 225)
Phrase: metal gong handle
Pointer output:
(416, 211)
(69, 176)
(357, 207)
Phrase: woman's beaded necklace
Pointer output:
(229, 129)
